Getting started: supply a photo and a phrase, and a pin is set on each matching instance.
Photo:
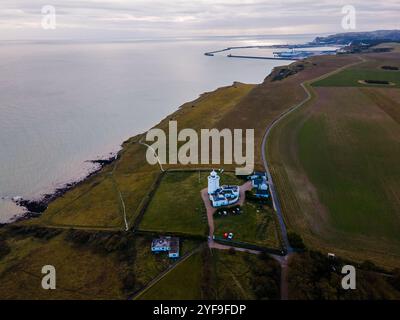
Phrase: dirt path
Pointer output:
(284, 263)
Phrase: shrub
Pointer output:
(296, 241)
(37, 232)
(129, 282)
(4, 249)
(396, 279)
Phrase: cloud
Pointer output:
(171, 18)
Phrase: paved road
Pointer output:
(275, 199)
(283, 261)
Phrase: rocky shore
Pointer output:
(35, 208)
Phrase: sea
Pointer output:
(64, 103)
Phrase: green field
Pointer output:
(219, 275)
(182, 283)
(335, 166)
(177, 205)
(353, 178)
(351, 76)
(255, 225)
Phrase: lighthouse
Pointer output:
(213, 182)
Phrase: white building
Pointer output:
(259, 183)
(221, 195)
(213, 182)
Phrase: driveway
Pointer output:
(211, 210)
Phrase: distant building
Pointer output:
(166, 244)
(259, 183)
(221, 195)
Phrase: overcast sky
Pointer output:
(107, 19)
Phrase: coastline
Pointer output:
(35, 207)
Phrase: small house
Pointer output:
(166, 244)
(259, 183)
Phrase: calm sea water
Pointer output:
(64, 103)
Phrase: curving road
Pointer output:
(275, 199)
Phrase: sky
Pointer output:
(154, 19)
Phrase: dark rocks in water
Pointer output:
(36, 207)
(33, 206)
(104, 162)
(376, 81)
(390, 68)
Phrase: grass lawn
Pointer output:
(351, 76)
(177, 205)
(255, 225)
(99, 205)
(181, 283)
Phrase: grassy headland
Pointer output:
(100, 205)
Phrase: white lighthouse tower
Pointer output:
(213, 182)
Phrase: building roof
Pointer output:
(174, 245)
(160, 242)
